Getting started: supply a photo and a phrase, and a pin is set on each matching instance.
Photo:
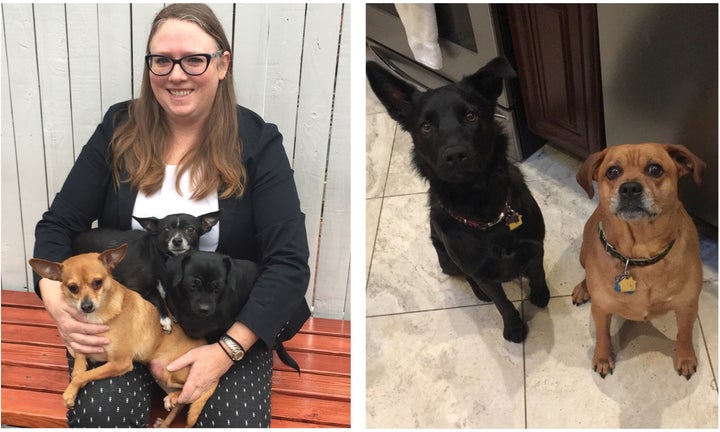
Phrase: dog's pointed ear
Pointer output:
(488, 80)
(47, 269)
(112, 257)
(686, 161)
(588, 172)
(395, 94)
(208, 220)
(149, 223)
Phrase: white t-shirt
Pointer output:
(166, 201)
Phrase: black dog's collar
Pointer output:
(507, 215)
(637, 262)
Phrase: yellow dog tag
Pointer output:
(515, 222)
(625, 284)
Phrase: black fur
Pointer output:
(144, 264)
(462, 152)
(205, 292)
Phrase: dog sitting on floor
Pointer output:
(88, 286)
(640, 247)
(484, 223)
(143, 268)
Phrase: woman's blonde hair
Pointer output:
(139, 145)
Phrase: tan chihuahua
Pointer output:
(134, 335)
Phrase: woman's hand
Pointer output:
(77, 334)
(207, 364)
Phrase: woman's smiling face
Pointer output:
(186, 98)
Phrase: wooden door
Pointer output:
(558, 64)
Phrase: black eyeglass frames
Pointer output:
(193, 64)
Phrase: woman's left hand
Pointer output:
(207, 364)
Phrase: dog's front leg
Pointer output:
(685, 359)
(514, 329)
(603, 361)
(71, 391)
(539, 293)
(107, 370)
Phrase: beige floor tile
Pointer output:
(644, 391)
(380, 133)
(372, 216)
(402, 177)
(443, 369)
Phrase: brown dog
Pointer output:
(640, 248)
(134, 334)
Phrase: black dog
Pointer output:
(205, 292)
(143, 268)
(484, 223)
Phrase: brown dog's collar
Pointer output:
(507, 215)
(637, 262)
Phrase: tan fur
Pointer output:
(134, 334)
(672, 284)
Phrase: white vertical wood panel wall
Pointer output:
(64, 65)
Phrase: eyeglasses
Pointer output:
(193, 64)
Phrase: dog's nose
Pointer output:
(454, 155)
(87, 306)
(631, 189)
(177, 241)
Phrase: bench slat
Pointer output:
(311, 385)
(28, 378)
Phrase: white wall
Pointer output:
(64, 65)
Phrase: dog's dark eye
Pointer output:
(96, 284)
(654, 170)
(613, 172)
(215, 285)
(426, 128)
(471, 117)
(190, 229)
(73, 288)
(195, 284)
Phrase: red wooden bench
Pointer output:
(34, 371)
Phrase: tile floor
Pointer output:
(436, 357)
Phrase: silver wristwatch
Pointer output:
(237, 352)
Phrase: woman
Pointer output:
(185, 146)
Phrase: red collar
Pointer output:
(506, 214)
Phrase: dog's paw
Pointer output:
(69, 396)
(515, 331)
(160, 423)
(580, 294)
(604, 365)
(166, 324)
(540, 296)
(686, 365)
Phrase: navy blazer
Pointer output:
(266, 225)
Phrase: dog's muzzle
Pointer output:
(178, 245)
(632, 202)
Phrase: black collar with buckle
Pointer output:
(638, 262)
(511, 218)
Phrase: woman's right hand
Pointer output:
(77, 334)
